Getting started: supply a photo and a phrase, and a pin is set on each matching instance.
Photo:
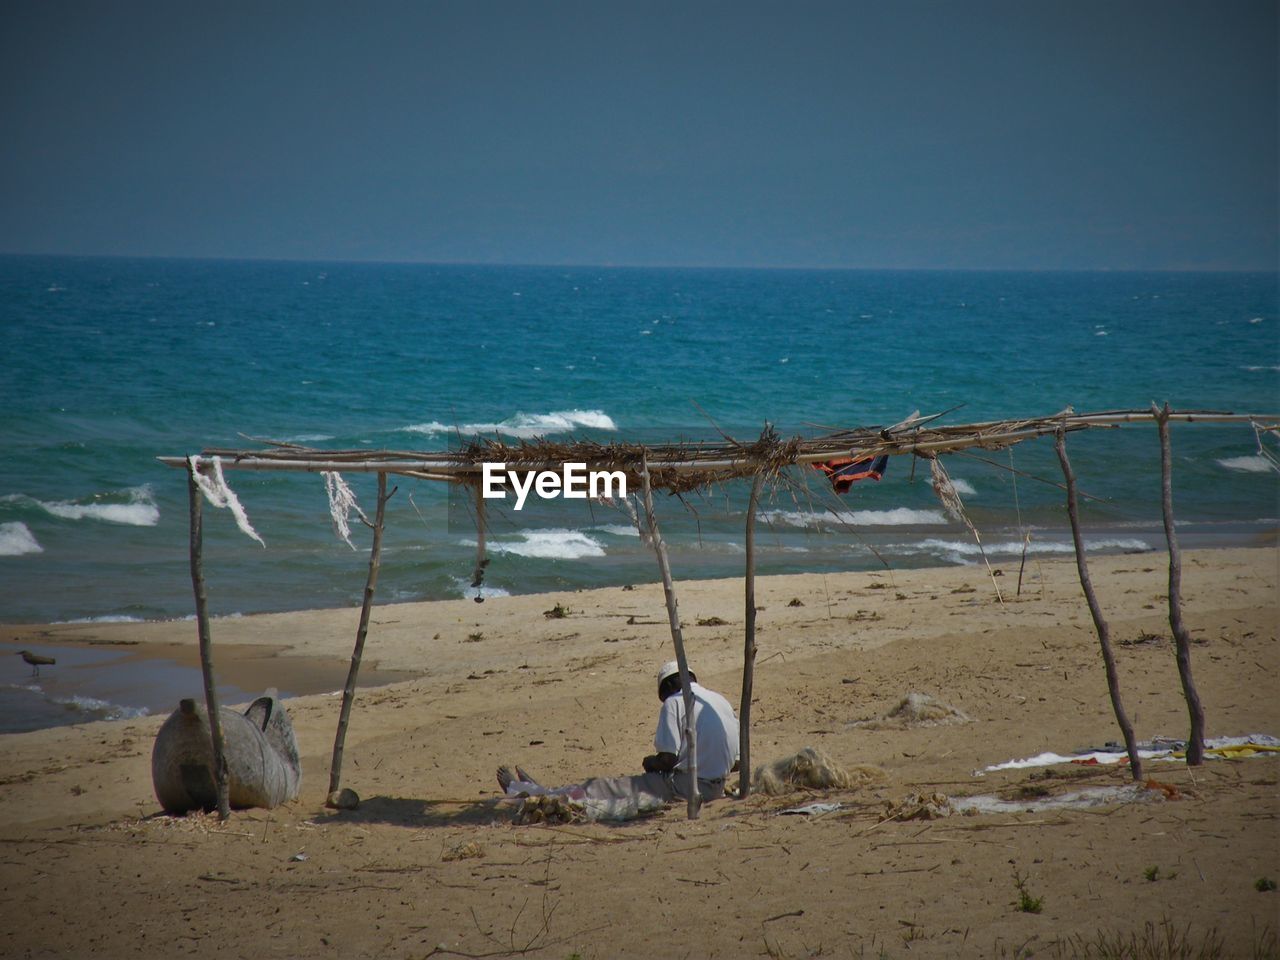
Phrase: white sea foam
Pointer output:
(16, 540)
(961, 550)
(1254, 464)
(897, 517)
(551, 544)
(1256, 368)
(720, 546)
(524, 424)
(309, 438)
(963, 487)
(100, 709)
(107, 618)
(618, 530)
(464, 589)
(139, 511)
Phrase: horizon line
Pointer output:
(628, 266)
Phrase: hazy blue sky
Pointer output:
(1081, 134)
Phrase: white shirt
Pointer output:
(716, 725)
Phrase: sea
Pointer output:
(110, 363)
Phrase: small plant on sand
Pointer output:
(1152, 873)
(474, 637)
(1026, 902)
(1264, 884)
(558, 612)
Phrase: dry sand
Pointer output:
(431, 863)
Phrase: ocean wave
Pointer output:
(897, 517)
(91, 707)
(523, 425)
(956, 549)
(551, 544)
(1255, 368)
(463, 587)
(963, 487)
(100, 709)
(108, 618)
(138, 508)
(1253, 464)
(618, 529)
(719, 546)
(16, 539)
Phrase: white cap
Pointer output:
(670, 669)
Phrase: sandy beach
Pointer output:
(431, 862)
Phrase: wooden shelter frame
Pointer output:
(685, 466)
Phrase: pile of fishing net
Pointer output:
(812, 769)
(917, 710)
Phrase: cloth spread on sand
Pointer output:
(621, 798)
(811, 809)
(1217, 747)
(1088, 797)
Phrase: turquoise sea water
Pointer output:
(109, 363)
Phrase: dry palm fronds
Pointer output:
(549, 809)
(468, 850)
(919, 806)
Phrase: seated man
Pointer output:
(666, 777)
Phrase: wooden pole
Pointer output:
(477, 579)
(1181, 638)
(1100, 624)
(749, 649)
(221, 777)
(677, 638)
(349, 691)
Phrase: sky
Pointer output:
(1053, 134)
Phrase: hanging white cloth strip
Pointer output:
(217, 492)
(342, 500)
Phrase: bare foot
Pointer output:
(505, 776)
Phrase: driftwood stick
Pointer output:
(221, 777)
(1099, 623)
(744, 712)
(1181, 638)
(677, 638)
(349, 691)
(749, 648)
(477, 579)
